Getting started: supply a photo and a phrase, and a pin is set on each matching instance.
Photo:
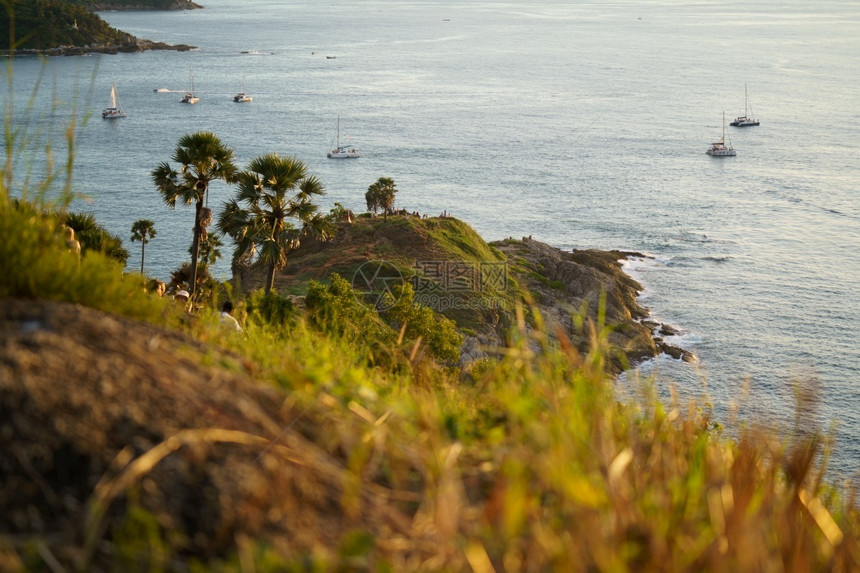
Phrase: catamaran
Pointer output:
(114, 111)
(745, 120)
(241, 97)
(342, 151)
(720, 149)
(190, 97)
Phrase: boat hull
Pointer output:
(112, 113)
(726, 152)
(744, 122)
(338, 154)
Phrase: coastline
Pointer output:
(136, 45)
(113, 7)
(568, 282)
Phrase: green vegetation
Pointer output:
(203, 158)
(37, 262)
(93, 236)
(275, 192)
(380, 195)
(46, 24)
(421, 323)
(535, 465)
(143, 230)
(337, 437)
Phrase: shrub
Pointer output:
(36, 262)
(438, 332)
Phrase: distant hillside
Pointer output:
(46, 24)
(63, 27)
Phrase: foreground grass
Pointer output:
(534, 464)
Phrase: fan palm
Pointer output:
(273, 211)
(142, 230)
(203, 158)
(381, 195)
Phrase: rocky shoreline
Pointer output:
(113, 6)
(135, 45)
(566, 283)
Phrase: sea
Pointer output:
(581, 124)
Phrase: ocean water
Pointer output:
(581, 124)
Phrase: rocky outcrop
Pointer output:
(138, 5)
(134, 45)
(565, 285)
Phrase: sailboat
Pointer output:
(241, 97)
(190, 97)
(720, 149)
(114, 111)
(745, 120)
(342, 151)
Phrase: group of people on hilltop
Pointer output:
(183, 297)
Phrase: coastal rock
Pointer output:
(138, 6)
(675, 352)
(570, 284)
(134, 45)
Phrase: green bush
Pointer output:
(269, 308)
(335, 309)
(439, 333)
(36, 262)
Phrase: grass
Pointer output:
(535, 464)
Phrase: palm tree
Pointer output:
(273, 210)
(142, 230)
(203, 159)
(381, 194)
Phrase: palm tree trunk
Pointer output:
(270, 279)
(142, 253)
(195, 247)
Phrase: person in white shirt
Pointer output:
(227, 318)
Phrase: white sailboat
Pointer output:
(745, 120)
(342, 151)
(190, 97)
(720, 149)
(114, 111)
(241, 97)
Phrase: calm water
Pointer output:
(584, 125)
